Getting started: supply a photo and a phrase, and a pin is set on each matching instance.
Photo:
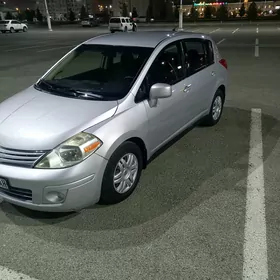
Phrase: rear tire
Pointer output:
(125, 165)
(12, 30)
(216, 109)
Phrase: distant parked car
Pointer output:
(90, 22)
(123, 24)
(12, 26)
(143, 19)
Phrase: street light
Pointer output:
(181, 16)
(48, 16)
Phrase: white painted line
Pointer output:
(257, 52)
(8, 274)
(23, 48)
(57, 48)
(257, 30)
(221, 41)
(235, 30)
(195, 30)
(215, 30)
(255, 244)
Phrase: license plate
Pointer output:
(4, 184)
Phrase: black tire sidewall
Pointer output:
(108, 193)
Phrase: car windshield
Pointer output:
(96, 71)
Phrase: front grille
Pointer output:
(22, 194)
(19, 158)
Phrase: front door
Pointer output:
(168, 116)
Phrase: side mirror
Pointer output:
(160, 91)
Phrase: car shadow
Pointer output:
(183, 175)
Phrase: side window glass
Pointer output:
(123, 21)
(195, 56)
(167, 67)
(210, 52)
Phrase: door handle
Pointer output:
(187, 88)
(213, 73)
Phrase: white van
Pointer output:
(123, 24)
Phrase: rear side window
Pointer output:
(209, 52)
(115, 20)
(195, 55)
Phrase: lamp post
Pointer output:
(48, 16)
(181, 16)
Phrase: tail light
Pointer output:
(223, 62)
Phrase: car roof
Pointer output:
(149, 39)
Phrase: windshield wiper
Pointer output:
(69, 91)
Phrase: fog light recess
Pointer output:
(56, 197)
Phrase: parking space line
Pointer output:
(9, 274)
(57, 48)
(257, 30)
(23, 48)
(257, 53)
(215, 30)
(255, 265)
(235, 30)
(221, 41)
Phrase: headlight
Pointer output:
(71, 152)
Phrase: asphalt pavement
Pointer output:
(206, 208)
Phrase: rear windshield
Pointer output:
(115, 20)
(4, 21)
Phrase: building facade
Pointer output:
(140, 5)
(59, 9)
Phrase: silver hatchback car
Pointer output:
(83, 133)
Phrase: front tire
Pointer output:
(24, 29)
(216, 109)
(122, 173)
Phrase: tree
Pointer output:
(208, 12)
(150, 12)
(83, 12)
(253, 11)
(123, 9)
(242, 10)
(222, 12)
(194, 13)
(72, 16)
(134, 13)
(29, 15)
(39, 16)
(9, 15)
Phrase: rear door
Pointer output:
(200, 70)
(115, 22)
(3, 24)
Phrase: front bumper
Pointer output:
(81, 185)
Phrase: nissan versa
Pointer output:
(83, 133)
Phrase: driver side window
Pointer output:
(167, 68)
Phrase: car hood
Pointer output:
(33, 120)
